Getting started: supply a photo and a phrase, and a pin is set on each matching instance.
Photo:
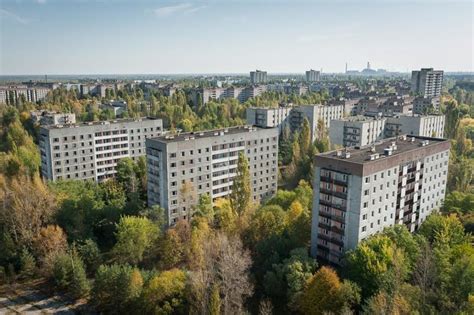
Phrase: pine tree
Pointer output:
(241, 190)
(304, 138)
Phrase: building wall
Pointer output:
(92, 151)
(354, 200)
(208, 164)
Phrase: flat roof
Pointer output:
(178, 137)
(404, 144)
(100, 123)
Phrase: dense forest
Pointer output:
(99, 242)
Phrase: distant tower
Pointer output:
(368, 65)
(46, 78)
(346, 67)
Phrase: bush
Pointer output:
(90, 254)
(116, 288)
(27, 264)
(69, 274)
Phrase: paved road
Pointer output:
(31, 299)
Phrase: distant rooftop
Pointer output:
(380, 150)
(177, 137)
(98, 123)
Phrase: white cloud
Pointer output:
(12, 16)
(172, 9)
(183, 8)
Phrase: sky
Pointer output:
(181, 37)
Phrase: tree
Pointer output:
(69, 274)
(50, 242)
(27, 207)
(135, 235)
(116, 288)
(286, 280)
(215, 301)
(304, 139)
(205, 208)
(324, 293)
(376, 264)
(226, 265)
(241, 189)
(164, 294)
(90, 254)
(27, 264)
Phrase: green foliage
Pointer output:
(165, 293)
(135, 235)
(286, 280)
(27, 264)
(90, 254)
(377, 263)
(241, 188)
(116, 288)
(204, 208)
(69, 274)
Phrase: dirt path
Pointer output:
(32, 298)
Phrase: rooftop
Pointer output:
(184, 136)
(383, 149)
(98, 123)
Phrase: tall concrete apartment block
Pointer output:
(427, 82)
(185, 166)
(293, 117)
(362, 130)
(90, 151)
(258, 77)
(417, 125)
(359, 192)
(268, 117)
(356, 131)
(312, 76)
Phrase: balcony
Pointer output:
(339, 194)
(327, 179)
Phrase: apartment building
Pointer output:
(356, 131)
(204, 95)
(13, 94)
(427, 82)
(268, 117)
(417, 125)
(359, 192)
(258, 77)
(312, 76)
(181, 167)
(314, 114)
(294, 116)
(424, 105)
(90, 151)
(44, 118)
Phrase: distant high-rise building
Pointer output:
(312, 76)
(184, 166)
(257, 77)
(359, 192)
(427, 82)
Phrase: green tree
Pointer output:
(324, 293)
(69, 274)
(165, 293)
(135, 235)
(205, 208)
(241, 189)
(116, 288)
